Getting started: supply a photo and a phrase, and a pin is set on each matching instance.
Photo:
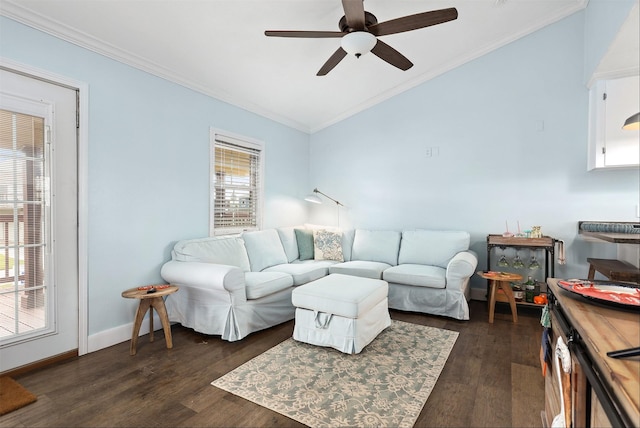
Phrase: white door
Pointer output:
(38, 220)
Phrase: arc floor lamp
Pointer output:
(313, 197)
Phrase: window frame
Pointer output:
(242, 142)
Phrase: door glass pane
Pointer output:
(23, 287)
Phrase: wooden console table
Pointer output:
(615, 270)
(545, 243)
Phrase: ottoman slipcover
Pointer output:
(341, 311)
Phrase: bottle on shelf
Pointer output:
(518, 293)
(530, 288)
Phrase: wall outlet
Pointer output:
(432, 151)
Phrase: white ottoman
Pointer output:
(341, 311)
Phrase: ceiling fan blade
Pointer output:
(390, 55)
(354, 12)
(305, 34)
(332, 62)
(414, 22)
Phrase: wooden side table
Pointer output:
(150, 300)
(501, 280)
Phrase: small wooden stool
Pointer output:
(614, 270)
(150, 300)
(501, 280)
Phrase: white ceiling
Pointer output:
(623, 57)
(219, 48)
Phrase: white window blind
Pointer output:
(236, 187)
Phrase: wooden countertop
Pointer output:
(605, 329)
(616, 238)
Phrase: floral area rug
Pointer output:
(387, 384)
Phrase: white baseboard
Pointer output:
(479, 294)
(120, 334)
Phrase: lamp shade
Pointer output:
(313, 198)
(358, 42)
(316, 199)
(632, 123)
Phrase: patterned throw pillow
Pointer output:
(327, 245)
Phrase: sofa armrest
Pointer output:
(461, 266)
(204, 275)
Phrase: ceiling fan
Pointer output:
(359, 30)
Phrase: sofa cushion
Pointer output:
(327, 245)
(360, 268)
(317, 263)
(417, 275)
(341, 295)
(301, 272)
(376, 246)
(304, 240)
(260, 284)
(289, 242)
(221, 250)
(264, 249)
(432, 247)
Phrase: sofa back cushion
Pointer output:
(264, 249)
(348, 235)
(220, 250)
(289, 242)
(432, 247)
(376, 246)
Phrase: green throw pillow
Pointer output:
(304, 237)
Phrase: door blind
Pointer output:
(22, 225)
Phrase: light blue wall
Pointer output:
(149, 167)
(511, 128)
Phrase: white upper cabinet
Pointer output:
(611, 103)
(614, 96)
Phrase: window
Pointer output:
(236, 184)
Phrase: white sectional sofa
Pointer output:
(233, 286)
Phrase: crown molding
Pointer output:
(18, 13)
(13, 10)
(569, 10)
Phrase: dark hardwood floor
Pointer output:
(492, 378)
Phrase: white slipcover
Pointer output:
(341, 311)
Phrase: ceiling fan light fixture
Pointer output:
(358, 43)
